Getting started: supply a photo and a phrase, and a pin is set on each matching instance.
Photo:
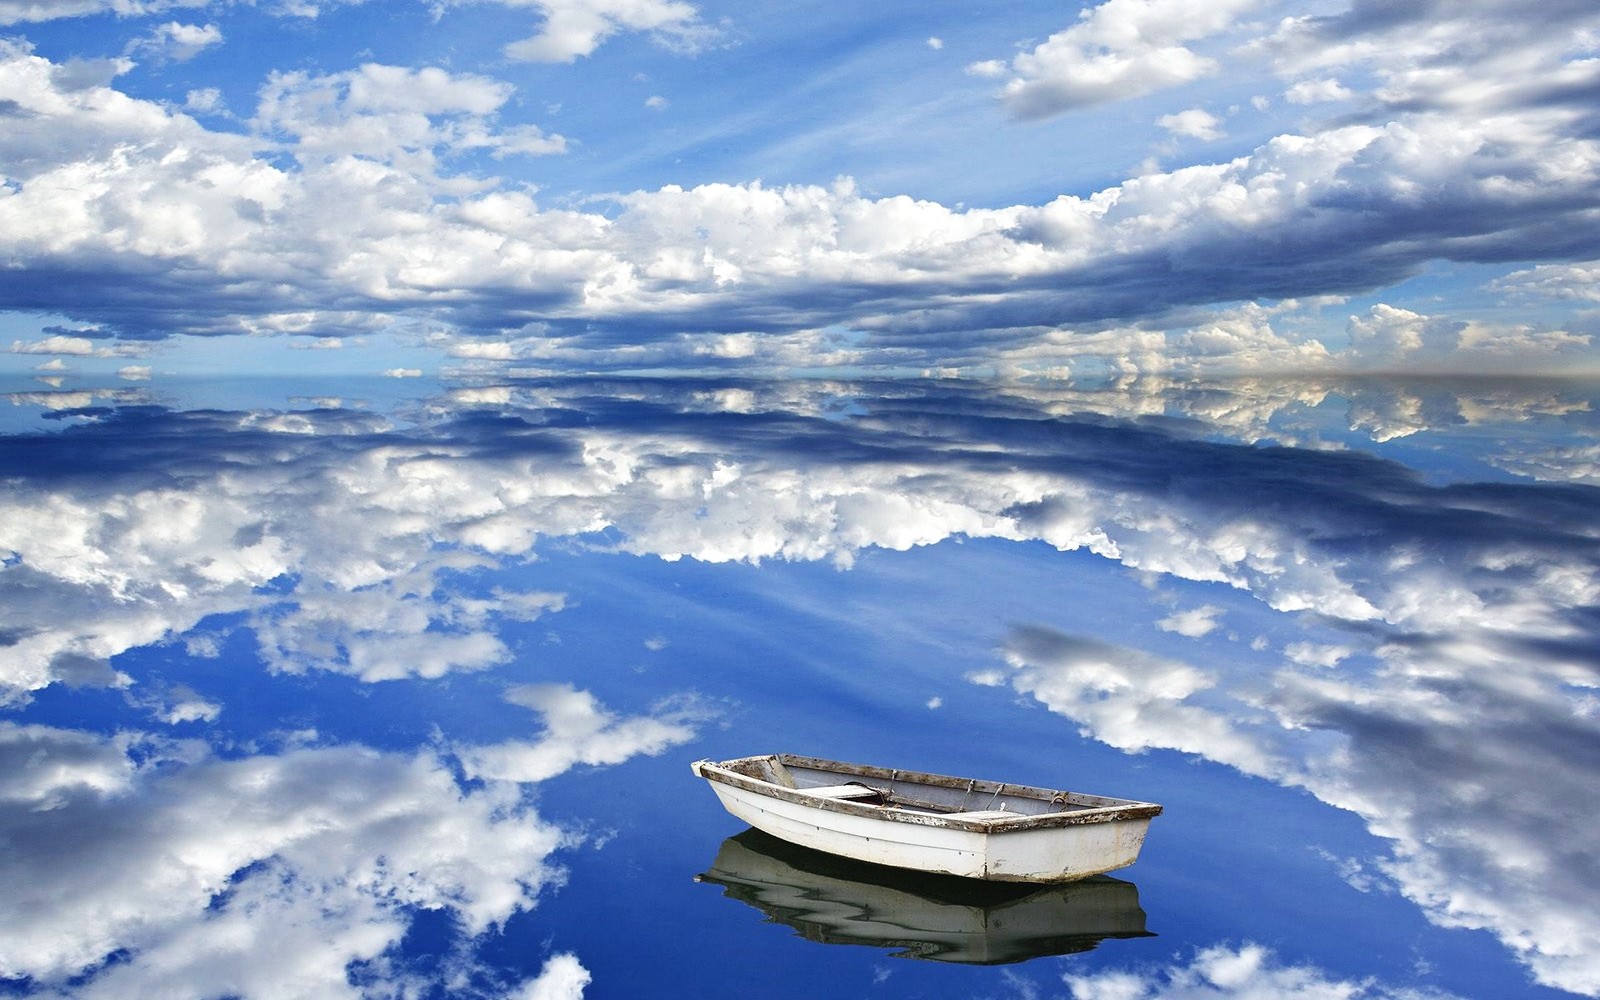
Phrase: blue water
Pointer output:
(371, 689)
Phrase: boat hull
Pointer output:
(954, 845)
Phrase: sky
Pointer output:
(988, 188)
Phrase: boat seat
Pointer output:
(984, 814)
(840, 791)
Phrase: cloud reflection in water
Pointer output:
(1454, 714)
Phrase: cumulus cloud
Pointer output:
(78, 764)
(1577, 282)
(177, 42)
(394, 115)
(575, 28)
(1120, 696)
(1195, 123)
(1463, 611)
(1316, 654)
(483, 350)
(1407, 744)
(265, 875)
(1533, 61)
(162, 226)
(75, 346)
(71, 345)
(562, 978)
(75, 399)
(1317, 92)
(399, 626)
(205, 101)
(23, 11)
(1224, 972)
(577, 731)
(179, 704)
(1388, 337)
(1117, 50)
(1193, 623)
(124, 561)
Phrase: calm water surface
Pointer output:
(390, 689)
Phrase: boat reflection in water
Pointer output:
(938, 917)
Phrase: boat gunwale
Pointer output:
(1120, 810)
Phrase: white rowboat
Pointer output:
(931, 822)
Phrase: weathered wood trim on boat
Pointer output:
(1085, 809)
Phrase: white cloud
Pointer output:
(122, 191)
(396, 622)
(74, 346)
(1440, 590)
(1516, 346)
(1433, 57)
(1317, 654)
(1404, 746)
(1317, 91)
(1390, 332)
(1193, 623)
(577, 731)
(1224, 972)
(319, 344)
(262, 876)
(1576, 282)
(1118, 50)
(205, 101)
(1196, 123)
(562, 978)
(1122, 696)
(176, 41)
(45, 767)
(130, 562)
(134, 373)
(23, 11)
(575, 28)
(395, 115)
(1388, 337)
(935, 43)
(74, 399)
(184, 704)
(483, 350)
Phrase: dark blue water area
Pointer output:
(1232, 860)
(285, 693)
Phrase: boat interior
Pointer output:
(968, 798)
